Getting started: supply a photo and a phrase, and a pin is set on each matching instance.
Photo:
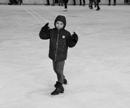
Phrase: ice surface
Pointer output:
(98, 68)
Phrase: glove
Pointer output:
(75, 37)
(45, 27)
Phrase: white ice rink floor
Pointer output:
(97, 69)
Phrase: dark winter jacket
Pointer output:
(60, 40)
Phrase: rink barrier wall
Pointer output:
(42, 2)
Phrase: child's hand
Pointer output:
(73, 40)
(75, 36)
(46, 27)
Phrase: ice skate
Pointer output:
(59, 89)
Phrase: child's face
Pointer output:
(59, 25)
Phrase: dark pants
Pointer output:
(58, 67)
(48, 2)
(60, 2)
(13, 2)
(65, 3)
(91, 2)
(81, 2)
(114, 2)
(95, 2)
(74, 2)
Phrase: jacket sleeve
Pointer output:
(44, 34)
(72, 40)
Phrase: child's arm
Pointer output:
(73, 39)
(45, 32)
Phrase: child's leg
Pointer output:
(58, 68)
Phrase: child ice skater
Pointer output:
(60, 39)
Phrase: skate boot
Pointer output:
(59, 89)
(98, 8)
(90, 7)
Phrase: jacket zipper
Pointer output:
(56, 45)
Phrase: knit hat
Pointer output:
(60, 18)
